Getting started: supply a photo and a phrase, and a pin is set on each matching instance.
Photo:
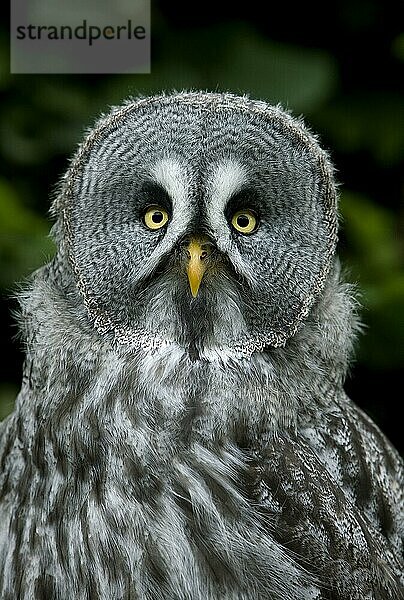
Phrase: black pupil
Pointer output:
(157, 216)
(243, 221)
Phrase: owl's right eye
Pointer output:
(245, 221)
(155, 217)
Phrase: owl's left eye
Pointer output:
(155, 217)
(245, 221)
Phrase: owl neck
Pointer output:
(86, 376)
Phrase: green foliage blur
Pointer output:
(342, 73)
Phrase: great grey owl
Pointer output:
(182, 432)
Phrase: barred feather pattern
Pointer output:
(130, 476)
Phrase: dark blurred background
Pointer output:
(342, 69)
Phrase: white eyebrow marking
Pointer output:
(227, 180)
(171, 175)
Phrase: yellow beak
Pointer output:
(198, 251)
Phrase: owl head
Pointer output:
(200, 219)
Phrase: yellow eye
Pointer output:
(244, 221)
(155, 217)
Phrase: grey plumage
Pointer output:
(166, 446)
